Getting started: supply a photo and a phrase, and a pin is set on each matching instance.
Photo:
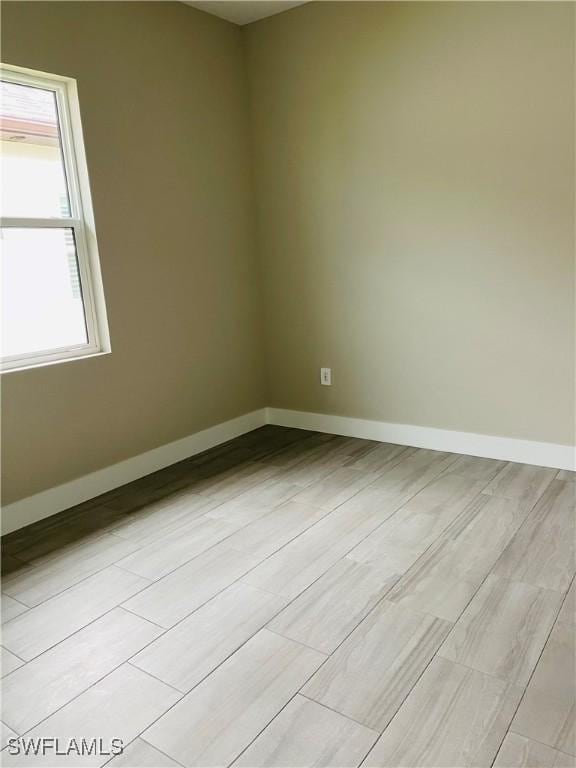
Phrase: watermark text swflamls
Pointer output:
(48, 745)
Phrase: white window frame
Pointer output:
(81, 221)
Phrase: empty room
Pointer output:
(288, 384)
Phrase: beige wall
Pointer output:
(415, 188)
(414, 169)
(163, 100)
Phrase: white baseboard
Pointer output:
(469, 443)
(41, 505)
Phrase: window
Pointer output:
(52, 298)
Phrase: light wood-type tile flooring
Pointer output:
(299, 599)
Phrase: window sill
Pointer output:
(23, 366)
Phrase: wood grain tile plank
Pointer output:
(404, 479)
(350, 447)
(306, 734)
(9, 662)
(503, 629)
(69, 552)
(270, 532)
(51, 622)
(294, 567)
(408, 533)
(219, 718)
(54, 678)
(12, 564)
(11, 608)
(477, 468)
(256, 502)
(175, 596)
(519, 752)
(45, 530)
(371, 673)
(454, 717)
(313, 467)
(233, 452)
(270, 439)
(344, 448)
(193, 648)
(547, 712)
(333, 606)
(130, 499)
(380, 457)
(235, 480)
(318, 457)
(162, 516)
(140, 754)
(336, 488)
(523, 482)
(169, 552)
(445, 578)
(542, 552)
(80, 529)
(290, 455)
(56, 573)
(143, 490)
(120, 706)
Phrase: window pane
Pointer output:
(33, 177)
(42, 305)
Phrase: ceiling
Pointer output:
(245, 11)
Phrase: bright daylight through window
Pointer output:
(52, 300)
